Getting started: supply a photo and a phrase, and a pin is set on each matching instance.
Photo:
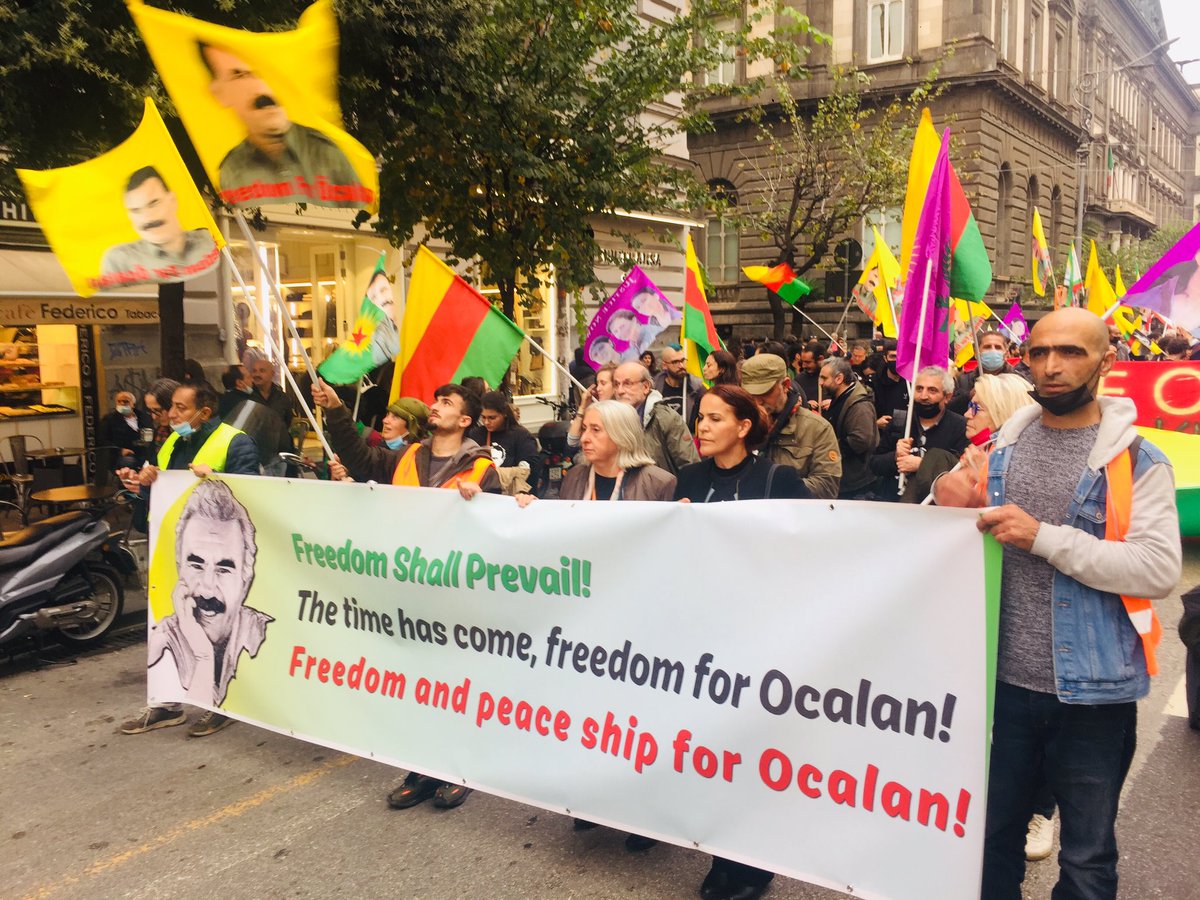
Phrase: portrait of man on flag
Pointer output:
(262, 109)
(130, 216)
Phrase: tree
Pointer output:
(542, 125)
(75, 73)
(819, 168)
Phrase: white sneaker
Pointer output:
(1039, 842)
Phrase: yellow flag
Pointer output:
(262, 109)
(1119, 283)
(130, 216)
(968, 314)
(1041, 256)
(1101, 295)
(879, 275)
(925, 149)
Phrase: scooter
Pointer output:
(65, 575)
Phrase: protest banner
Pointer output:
(262, 109)
(1167, 394)
(627, 323)
(611, 661)
(130, 216)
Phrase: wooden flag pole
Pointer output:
(287, 373)
(912, 394)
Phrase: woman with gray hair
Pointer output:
(618, 466)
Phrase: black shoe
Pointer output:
(585, 825)
(715, 884)
(415, 789)
(448, 796)
(636, 843)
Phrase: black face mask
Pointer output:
(926, 410)
(1066, 403)
(891, 367)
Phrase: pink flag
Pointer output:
(1014, 321)
(925, 317)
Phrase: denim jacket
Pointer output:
(1098, 655)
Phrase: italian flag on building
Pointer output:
(699, 334)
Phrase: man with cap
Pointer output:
(360, 458)
(799, 437)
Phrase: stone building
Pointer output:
(1049, 99)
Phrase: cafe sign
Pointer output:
(76, 311)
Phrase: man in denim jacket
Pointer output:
(1070, 665)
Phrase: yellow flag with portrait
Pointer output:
(262, 109)
(130, 216)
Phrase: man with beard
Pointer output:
(211, 627)
(1085, 511)
(163, 251)
(799, 437)
(199, 440)
(276, 151)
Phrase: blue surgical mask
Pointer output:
(395, 443)
(125, 410)
(992, 360)
(184, 429)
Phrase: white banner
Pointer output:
(798, 685)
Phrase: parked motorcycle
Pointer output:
(65, 575)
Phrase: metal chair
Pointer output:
(99, 490)
(16, 470)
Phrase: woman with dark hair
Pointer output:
(721, 368)
(648, 360)
(730, 427)
(511, 444)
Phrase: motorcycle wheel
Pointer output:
(110, 600)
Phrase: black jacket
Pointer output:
(114, 432)
(949, 434)
(510, 447)
(703, 482)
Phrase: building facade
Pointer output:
(1069, 107)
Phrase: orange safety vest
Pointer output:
(406, 471)
(1118, 505)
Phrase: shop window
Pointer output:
(531, 375)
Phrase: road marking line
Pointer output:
(1177, 702)
(228, 812)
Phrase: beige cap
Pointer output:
(762, 372)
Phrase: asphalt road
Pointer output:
(88, 812)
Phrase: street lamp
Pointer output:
(1088, 82)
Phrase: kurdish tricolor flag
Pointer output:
(780, 279)
(699, 334)
(354, 358)
(450, 332)
(971, 270)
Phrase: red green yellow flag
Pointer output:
(780, 279)
(450, 332)
(699, 333)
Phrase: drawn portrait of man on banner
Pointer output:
(211, 626)
(164, 251)
(276, 153)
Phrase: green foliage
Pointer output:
(543, 124)
(75, 71)
(818, 168)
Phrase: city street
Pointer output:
(89, 812)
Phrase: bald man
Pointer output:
(1077, 634)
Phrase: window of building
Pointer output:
(885, 30)
(722, 240)
(1003, 220)
(725, 72)
(887, 220)
(1003, 29)
(1033, 62)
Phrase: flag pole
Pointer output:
(912, 394)
(1012, 334)
(892, 307)
(813, 322)
(554, 362)
(287, 373)
(250, 239)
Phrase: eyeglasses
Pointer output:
(975, 407)
(627, 384)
